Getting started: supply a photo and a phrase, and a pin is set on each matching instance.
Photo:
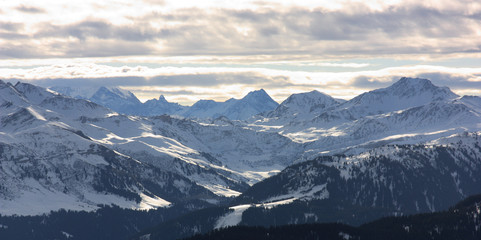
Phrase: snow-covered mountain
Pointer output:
(431, 175)
(79, 154)
(301, 106)
(117, 99)
(155, 107)
(411, 109)
(47, 163)
(237, 109)
(404, 94)
(388, 180)
(207, 159)
(393, 180)
(126, 102)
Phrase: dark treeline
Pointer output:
(462, 222)
(108, 222)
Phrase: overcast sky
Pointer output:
(191, 50)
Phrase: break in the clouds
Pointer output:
(219, 49)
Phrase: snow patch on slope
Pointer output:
(235, 217)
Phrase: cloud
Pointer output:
(11, 26)
(99, 29)
(353, 30)
(29, 9)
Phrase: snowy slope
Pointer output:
(405, 93)
(411, 109)
(43, 154)
(207, 159)
(84, 154)
(117, 99)
(393, 179)
(355, 189)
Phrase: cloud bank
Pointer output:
(351, 29)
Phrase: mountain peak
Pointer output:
(162, 98)
(409, 87)
(303, 105)
(413, 81)
(311, 98)
(403, 94)
(5, 84)
(117, 92)
(259, 95)
(406, 84)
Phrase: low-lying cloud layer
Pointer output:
(187, 85)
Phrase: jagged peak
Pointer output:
(5, 84)
(162, 98)
(257, 93)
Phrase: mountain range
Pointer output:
(126, 102)
(408, 148)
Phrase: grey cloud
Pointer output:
(12, 36)
(453, 81)
(397, 22)
(11, 26)
(396, 31)
(196, 80)
(367, 82)
(456, 81)
(176, 92)
(269, 30)
(99, 48)
(296, 31)
(100, 29)
(82, 82)
(106, 49)
(29, 9)
(11, 50)
(210, 80)
(12, 31)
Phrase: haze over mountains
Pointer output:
(408, 148)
